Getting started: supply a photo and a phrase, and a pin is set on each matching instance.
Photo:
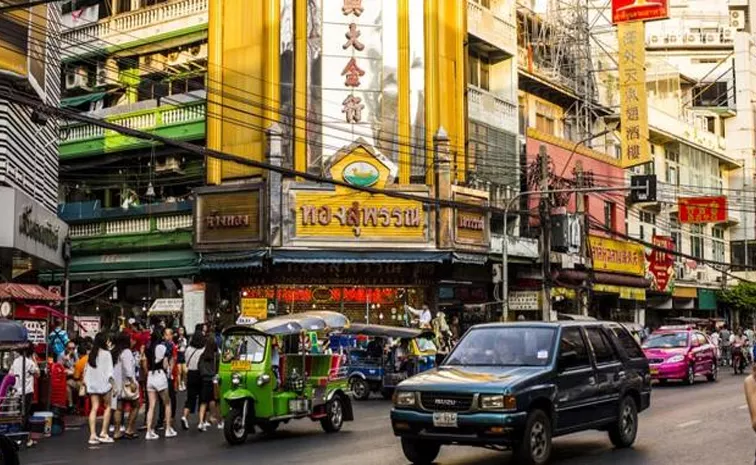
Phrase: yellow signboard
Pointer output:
(345, 214)
(617, 256)
(254, 308)
(634, 135)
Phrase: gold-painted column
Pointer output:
(300, 85)
(214, 78)
(459, 146)
(431, 84)
(403, 93)
(272, 13)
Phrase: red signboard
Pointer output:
(702, 209)
(661, 263)
(624, 11)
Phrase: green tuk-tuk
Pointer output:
(271, 373)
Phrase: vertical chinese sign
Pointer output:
(661, 264)
(633, 101)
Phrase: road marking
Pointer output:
(689, 423)
(743, 407)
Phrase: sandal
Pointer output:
(131, 436)
(94, 441)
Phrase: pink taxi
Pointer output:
(680, 353)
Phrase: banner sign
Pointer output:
(661, 264)
(633, 99)
(254, 308)
(639, 10)
(88, 325)
(194, 305)
(702, 209)
(617, 256)
(37, 330)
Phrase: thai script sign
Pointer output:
(661, 264)
(45, 234)
(37, 330)
(356, 216)
(617, 256)
(702, 209)
(227, 217)
(639, 10)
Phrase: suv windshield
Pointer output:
(513, 346)
(666, 341)
(244, 347)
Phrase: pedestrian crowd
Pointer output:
(137, 370)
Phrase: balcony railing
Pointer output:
(487, 107)
(491, 28)
(135, 26)
(127, 226)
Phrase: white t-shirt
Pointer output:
(193, 356)
(160, 351)
(17, 369)
(98, 379)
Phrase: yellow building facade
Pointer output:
(387, 72)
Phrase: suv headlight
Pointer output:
(676, 359)
(235, 380)
(404, 399)
(498, 402)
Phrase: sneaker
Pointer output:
(201, 428)
(185, 423)
(151, 436)
(170, 433)
(105, 439)
(221, 424)
(207, 425)
(111, 428)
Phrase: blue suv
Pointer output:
(519, 385)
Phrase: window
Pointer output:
(601, 347)
(718, 243)
(701, 339)
(513, 346)
(696, 240)
(479, 68)
(545, 124)
(483, 3)
(632, 349)
(572, 350)
(610, 210)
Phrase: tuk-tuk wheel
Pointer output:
(360, 389)
(387, 393)
(334, 418)
(234, 429)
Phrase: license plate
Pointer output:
(654, 371)
(445, 419)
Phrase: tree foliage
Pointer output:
(741, 297)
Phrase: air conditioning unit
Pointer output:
(728, 34)
(692, 39)
(77, 78)
(654, 39)
(150, 64)
(107, 73)
(679, 271)
(737, 19)
(184, 57)
(672, 39)
(169, 165)
(712, 38)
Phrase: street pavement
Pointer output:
(706, 423)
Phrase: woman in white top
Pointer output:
(26, 370)
(99, 379)
(126, 388)
(193, 378)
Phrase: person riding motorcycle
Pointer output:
(740, 348)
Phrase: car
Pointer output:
(680, 353)
(518, 385)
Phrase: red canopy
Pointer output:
(16, 291)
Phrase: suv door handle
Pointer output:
(621, 375)
(592, 381)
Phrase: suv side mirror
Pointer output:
(566, 360)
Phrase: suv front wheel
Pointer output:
(623, 432)
(535, 447)
(420, 452)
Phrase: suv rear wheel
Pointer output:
(623, 432)
(535, 448)
(420, 452)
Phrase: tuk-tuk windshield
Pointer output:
(244, 347)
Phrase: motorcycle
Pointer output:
(738, 359)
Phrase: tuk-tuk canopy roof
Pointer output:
(12, 334)
(383, 331)
(296, 323)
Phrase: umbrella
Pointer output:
(13, 334)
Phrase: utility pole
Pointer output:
(583, 293)
(543, 159)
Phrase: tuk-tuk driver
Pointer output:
(275, 361)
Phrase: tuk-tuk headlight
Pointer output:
(498, 402)
(235, 380)
(264, 379)
(404, 399)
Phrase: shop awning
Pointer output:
(16, 291)
(346, 256)
(578, 276)
(469, 258)
(231, 260)
(162, 264)
(82, 99)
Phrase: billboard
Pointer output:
(634, 133)
(661, 264)
(697, 210)
(624, 11)
(23, 44)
